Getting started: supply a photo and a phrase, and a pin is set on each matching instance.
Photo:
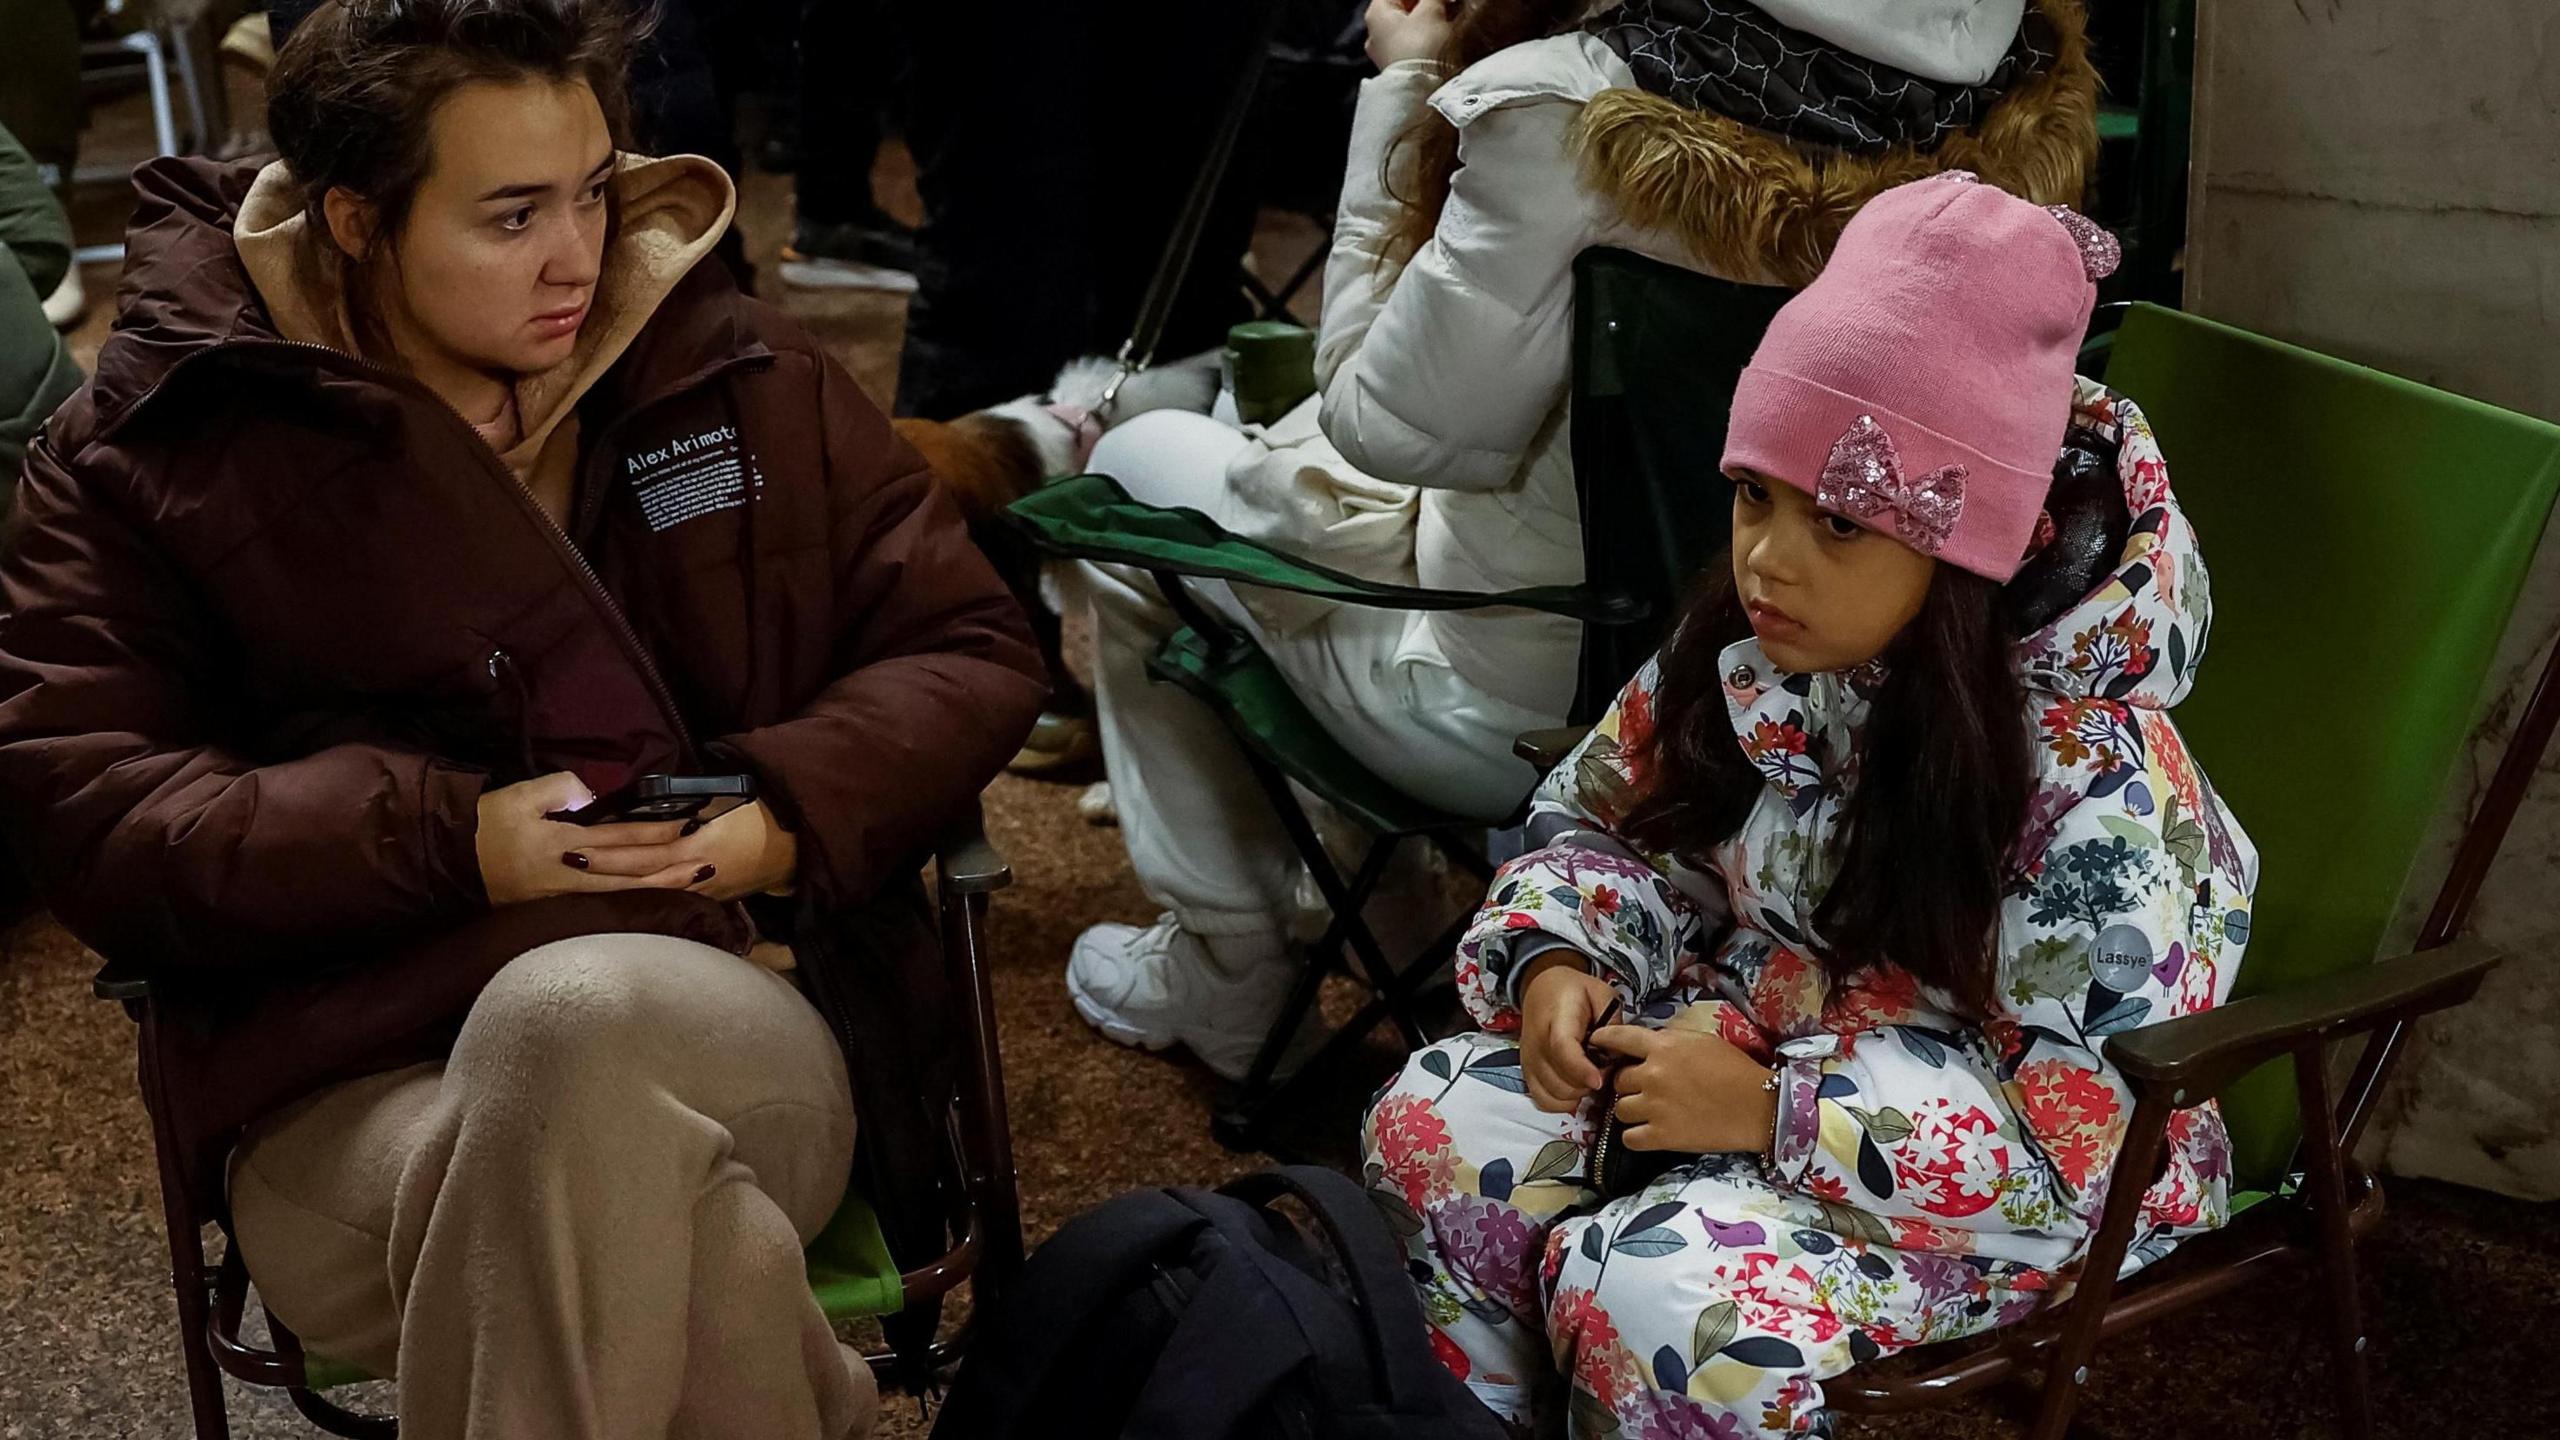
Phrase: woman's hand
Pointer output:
(745, 852)
(1690, 1092)
(1408, 30)
(521, 848)
(1559, 999)
(526, 855)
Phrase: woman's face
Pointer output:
(1824, 593)
(497, 265)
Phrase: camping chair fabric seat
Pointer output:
(850, 1270)
(2332, 496)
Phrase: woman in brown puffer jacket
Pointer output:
(432, 483)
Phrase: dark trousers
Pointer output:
(40, 80)
(1054, 148)
(852, 57)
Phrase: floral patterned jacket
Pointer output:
(2130, 904)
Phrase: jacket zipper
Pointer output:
(504, 675)
(567, 549)
(1600, 1148)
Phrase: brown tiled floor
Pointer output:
(2462, 1286)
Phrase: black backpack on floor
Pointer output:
(1184, 1314)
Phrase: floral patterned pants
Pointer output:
(1711, 1304)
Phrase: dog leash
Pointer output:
(1155, 310)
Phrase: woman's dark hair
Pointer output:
(1482, 27)
(1944, 772)
(353, 91)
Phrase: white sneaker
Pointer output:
(823, 272)
(1160, 985)
(1097, 806)
(68, 302)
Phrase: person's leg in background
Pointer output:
(37, 372)
(1163, 88)
(40, 82)
(588, 1221)
(1054, 147)
(997, 124)
(1202, 834)
(40, 104)
(851, 57)
(682, 104)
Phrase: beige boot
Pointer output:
(68, 302)
(250, 44)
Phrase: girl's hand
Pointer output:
(745, 852)
(1408, 30)
(1558, 1001)
(521, 849)
(1690, 1092)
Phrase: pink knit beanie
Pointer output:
(1922, 383)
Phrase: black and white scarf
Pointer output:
(1730, 57)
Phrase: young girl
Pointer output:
(1868, 875)
(1499, 140)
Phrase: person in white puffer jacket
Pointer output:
(1491, 149)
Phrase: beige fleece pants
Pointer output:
(587, 1222)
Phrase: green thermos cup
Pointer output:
(1270, 366)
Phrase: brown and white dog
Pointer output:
(990, 458)
(987, 459)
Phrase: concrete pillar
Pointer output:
(2380, 180)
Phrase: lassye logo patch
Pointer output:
(691, 476)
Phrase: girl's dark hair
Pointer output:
(1944, 772)
(1482, 27)
(354, 89)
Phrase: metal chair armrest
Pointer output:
(1546, 749)
(2191, 1059)
(116, 980)
(969, 862)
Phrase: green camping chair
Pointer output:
(851, 1271)
(2400, 521)
(1649, 380)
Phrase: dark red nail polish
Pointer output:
(573, 860)
(703, 875)
(690, 827)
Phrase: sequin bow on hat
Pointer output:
(1864, 478)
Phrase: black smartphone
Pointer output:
(657, 799)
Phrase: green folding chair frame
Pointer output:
(1627, 344)
(2367, 538)
(1090, 517)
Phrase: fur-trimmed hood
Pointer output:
(1449, 368)
(1749, 204)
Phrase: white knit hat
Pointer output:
(1958, 42)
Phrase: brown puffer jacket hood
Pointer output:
(669, 212)
(275, 619)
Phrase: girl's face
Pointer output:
(496, 266)
(1824, 593)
